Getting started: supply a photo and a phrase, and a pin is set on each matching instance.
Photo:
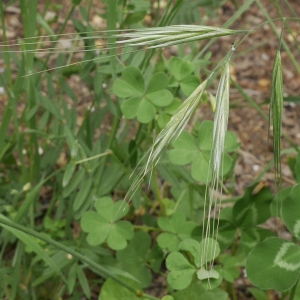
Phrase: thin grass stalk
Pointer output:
(151, 38)
(217, 157)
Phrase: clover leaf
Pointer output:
(176, 229)
(274, 264)
(182, 75)
(141, 99)
(182, 271)
(137, 255)
(197, 151)
(104, 225)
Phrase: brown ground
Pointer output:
(251, 69)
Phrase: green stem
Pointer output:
(157, 191)
(81, 257)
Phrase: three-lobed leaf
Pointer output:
(142, 100)
(182, 75)
(104, 225)
(176, 229)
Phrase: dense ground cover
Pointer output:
(71, 136)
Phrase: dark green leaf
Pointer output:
(274, 264)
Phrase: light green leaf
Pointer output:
(124, 90)
(176, 229)
(118, 235)
(182, 156)
(103, 225)
(134, 78)
(179, 68)
(182, 271)
(160, 98)
(185, 141)
(158, 82)
(189, 84)
(146, 111)
(206, 135)
(130, 107)
(110, 210)
(200, 168)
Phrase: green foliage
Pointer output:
(182, 77)
(196, 151)
(104, 225)
(142, 99)
(64, 163)
(176, 229)
(137, 255)
(182, 271)
(111, 290)
(253, 208)
(274, 264)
